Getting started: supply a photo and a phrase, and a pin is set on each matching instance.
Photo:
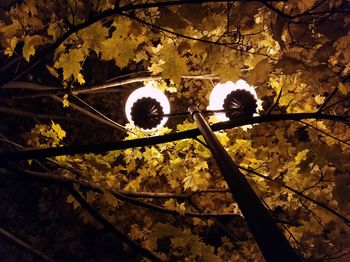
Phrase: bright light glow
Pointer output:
(148, 91)
(220, 91)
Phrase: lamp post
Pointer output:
(238, 102)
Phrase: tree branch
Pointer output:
(117, 125)
(324, 206)
(325, 133)
(20, 243)
(276, 103)
(121, 195)
(327, 99)
(69, 184)
(89, 114)
(23, 113)
(140, 142)
(44, 90)
(99, 218)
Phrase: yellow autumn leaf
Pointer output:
(10, 48)
(30, 43)
(344, 88)
(260, 73)
(173, 66)
(194, 181)
(52, 71)
(319, 99)
(301, 156)
(54, 30)
(93, 36)
(222, 137)
(58, 130)
(73, 201)
(120, 48)
(71, 65)
(65, 101)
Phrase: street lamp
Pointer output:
(236, 101)
(145, 108)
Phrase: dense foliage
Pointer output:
(169, 198)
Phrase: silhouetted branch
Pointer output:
(20, 243)
(276, 103)
(192, 133)
(100, 219)
(45, 90)
(337, 102)
(117, 125)
(69, 184)
(89, 114)
(121, 195)
(325, 133)
(327, 99)
(324, 206)
(17, 112)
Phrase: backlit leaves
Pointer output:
(71, 63)
(294, 61)
(93, 36)
(121, 46)
(30, 44)
(170, 63)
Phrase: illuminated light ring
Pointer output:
(148, 91)
(221, 91)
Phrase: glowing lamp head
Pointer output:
(145, 108)
(238, 99)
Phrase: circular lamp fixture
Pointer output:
(239, 99)
(145, 108)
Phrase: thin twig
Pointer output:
(217, 221)
(324, 206)
(45, 90)
(89, 114)
(337, 102)
(325, 133)
(276, 103)
(121, 127)
(327, 99)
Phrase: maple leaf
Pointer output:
(11, 45)
(260, 73)
(301, 59)
(65, 101)
(59, 131)
(93, 36)
(119, 47)
(172, 65)
(54, 30)
(71, 64)
(30, 43)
